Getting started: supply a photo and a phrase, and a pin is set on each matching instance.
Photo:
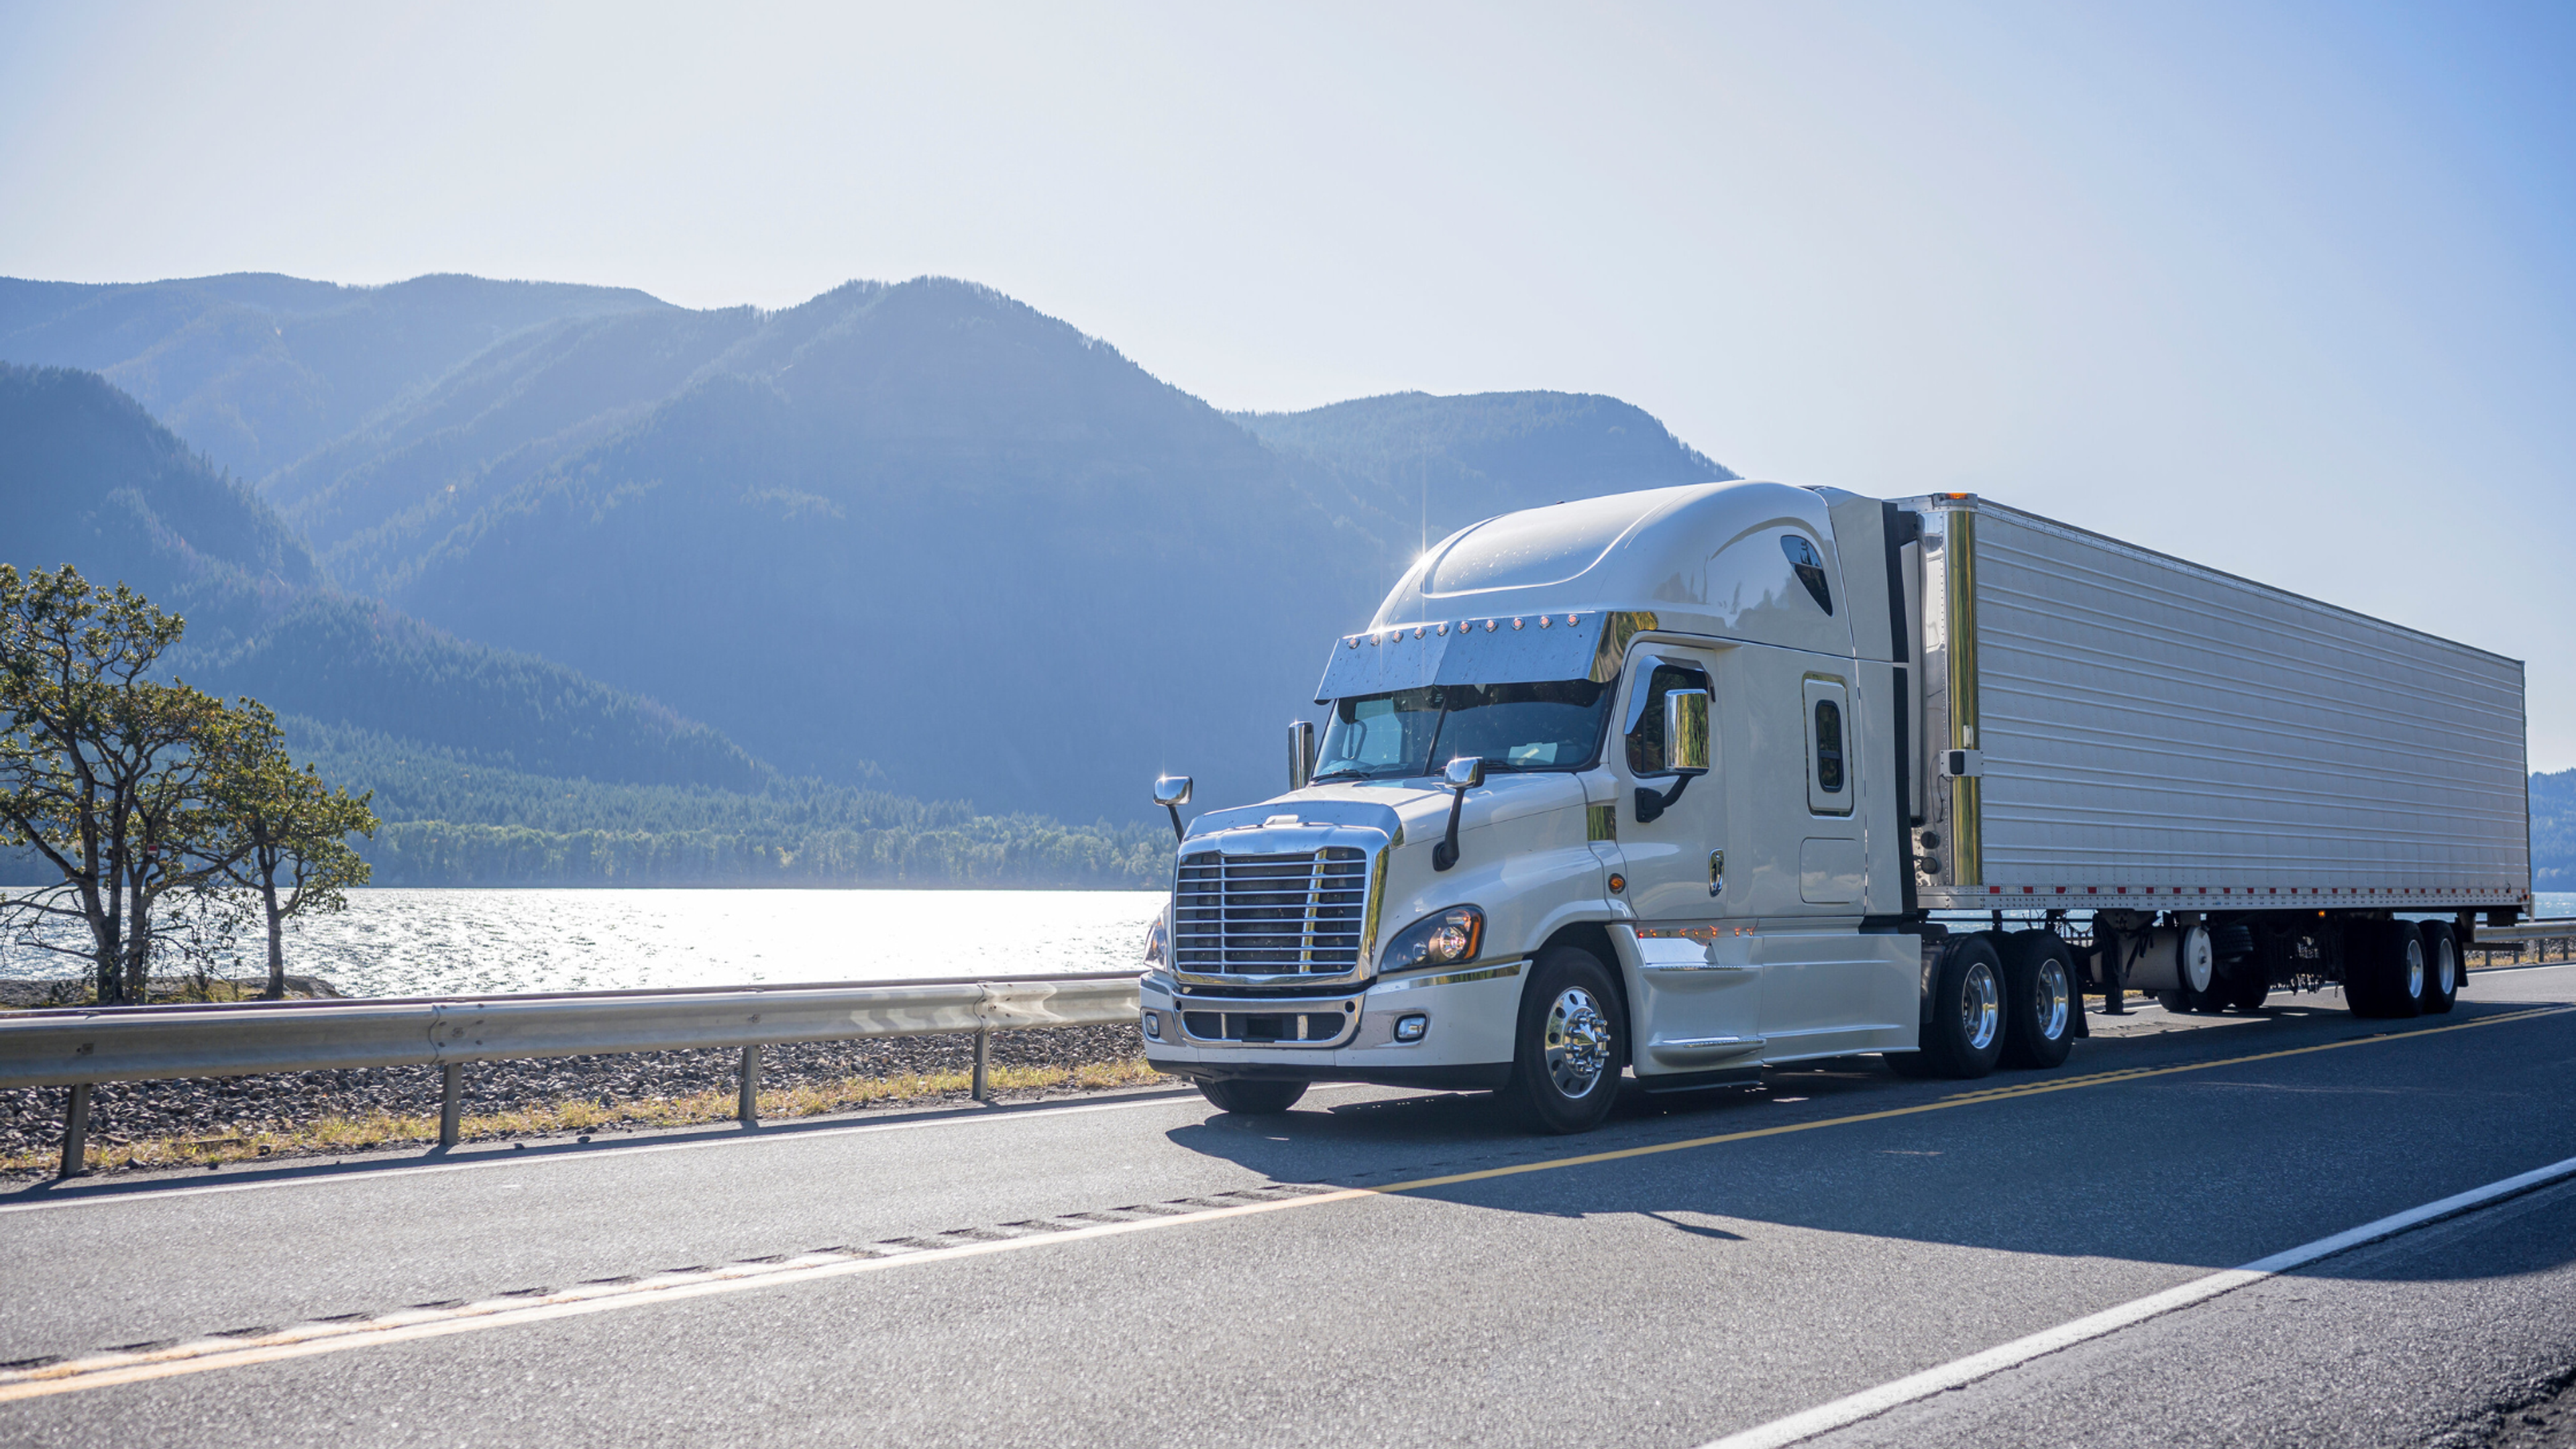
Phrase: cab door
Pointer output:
(1698, 990)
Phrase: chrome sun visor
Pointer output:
(1508, 649)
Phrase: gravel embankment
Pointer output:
(122, 1112)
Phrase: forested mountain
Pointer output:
(89, 479)
(926, 525)
(256, 370)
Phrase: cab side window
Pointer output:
(1646, 715)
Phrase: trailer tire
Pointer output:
(2441, 967)
(2383, 969)
(2204, 984)
(1569, 1047)
(2247, 988)
(1252, 1098)
(2041, 999)
(1965, 1036)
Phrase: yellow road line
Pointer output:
(304, 1341)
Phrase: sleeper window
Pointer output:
(1831, 750)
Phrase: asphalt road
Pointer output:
(1386, 1268)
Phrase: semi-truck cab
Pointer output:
(1673, 785)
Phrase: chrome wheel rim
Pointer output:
(1980, 1007)
(1578, 1042)
(2449, 969)
(2053, 997)
(2415, 968)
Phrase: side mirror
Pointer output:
(1685, 751)
(1301, 753)
(1686, 732)
(1462, 774)
(1172, 792)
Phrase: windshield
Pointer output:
(1413, 732)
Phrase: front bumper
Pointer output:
(1465, 1043)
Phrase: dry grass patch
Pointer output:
(327, 1135)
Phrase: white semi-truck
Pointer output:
(1682, 783)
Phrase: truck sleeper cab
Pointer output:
(1686, 782)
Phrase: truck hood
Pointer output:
(1403, 810)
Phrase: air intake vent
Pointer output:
(1271, 915)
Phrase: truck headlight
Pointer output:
(1157, 943)
(1443, 938)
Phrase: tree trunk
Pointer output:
(276, 940)
(138, 948)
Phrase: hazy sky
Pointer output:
(2286, 289)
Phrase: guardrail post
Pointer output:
(748, 1110)
(451, 1103)
(76, 1132)
(983, 1065)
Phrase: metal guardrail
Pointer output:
(2539, 935)
(80, 1047)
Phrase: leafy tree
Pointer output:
(107, 775)
(286, 835)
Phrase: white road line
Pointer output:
(1961, 1372)
(144, 1191)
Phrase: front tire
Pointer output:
(2040, 1001)
(1252, 1099)
(1569, 1047)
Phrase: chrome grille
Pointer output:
(1271, 915)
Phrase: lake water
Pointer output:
(435, 942)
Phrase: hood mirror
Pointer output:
(1465, 773)
(1172, 792)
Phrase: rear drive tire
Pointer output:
(2441, 967)
(2040, 1000)
(1569, 1047)
(1252, 1099)
(1965, 1037)
(2384, 969)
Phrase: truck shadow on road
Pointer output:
(2201, 1141)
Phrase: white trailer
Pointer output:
(1680, 783)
